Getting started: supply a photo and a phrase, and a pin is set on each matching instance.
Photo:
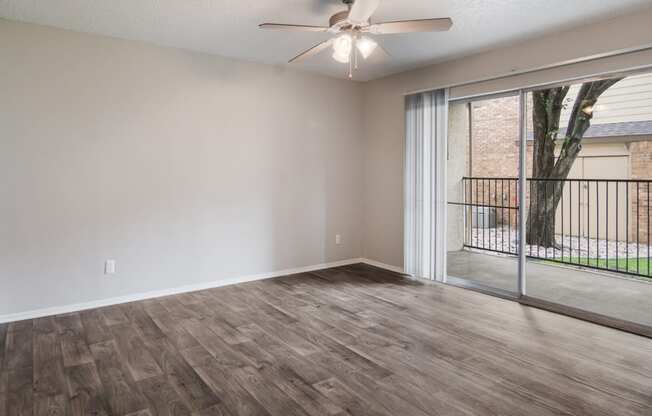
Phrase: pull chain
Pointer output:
(351, 57)
(355, 51)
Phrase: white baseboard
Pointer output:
(57, 310)
(76, 307)
(389, 267)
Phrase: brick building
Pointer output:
(617, 146)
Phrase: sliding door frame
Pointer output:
(522, 183)
(520, 276)
(521, 294)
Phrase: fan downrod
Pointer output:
(343, 15)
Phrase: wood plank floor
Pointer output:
(352, 340)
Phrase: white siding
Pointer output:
(628, 100)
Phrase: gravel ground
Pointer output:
(504, 239)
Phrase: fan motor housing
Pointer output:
(338, 17)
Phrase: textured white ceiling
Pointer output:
(229, 27)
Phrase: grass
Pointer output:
(641, 265)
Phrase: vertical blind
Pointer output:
(426, 119)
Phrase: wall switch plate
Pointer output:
(109, 267)
(338, 239)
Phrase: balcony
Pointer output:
(599, 256)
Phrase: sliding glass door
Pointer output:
(569, 168)
(589, 147)
(482, 176)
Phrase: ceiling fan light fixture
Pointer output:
(342, 48)
(366, 46)
(348, 27)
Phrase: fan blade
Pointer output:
(407, 26)
(362, 10)
(293, 28)
(315, 50)
(382, 52)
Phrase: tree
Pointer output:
(545, 194)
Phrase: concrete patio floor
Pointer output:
(622, 298)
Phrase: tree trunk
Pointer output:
(544, 200)
(549, 171)
(546, 112)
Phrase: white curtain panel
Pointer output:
(426, 120)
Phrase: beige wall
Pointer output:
(383, 106)
(185, 168)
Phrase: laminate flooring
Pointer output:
(352, 340)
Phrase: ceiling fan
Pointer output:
(352, 28)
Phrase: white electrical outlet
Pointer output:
(109, 267)
(338, 239)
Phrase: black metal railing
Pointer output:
(601, 224)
